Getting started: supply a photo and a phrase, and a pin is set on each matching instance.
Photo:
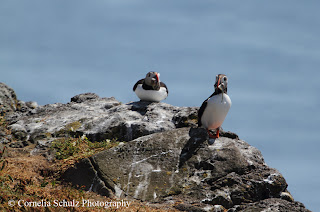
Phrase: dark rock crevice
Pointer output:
(99, 176)
(90, 181)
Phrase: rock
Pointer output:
(91, 178)
(4, 140)
(271, 204)
(32, 104)
(195, 208)
(18, 144)
(22, 106)
(8, 99)
(219, 208)
(5, 136)
(191, 208)
(19, 132)
(286, 196)
(163, 159)
(181, 165)
(43, 148)
(84, 97)
(100, 119)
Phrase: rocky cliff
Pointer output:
(163, 159)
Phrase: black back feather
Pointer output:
(148, 87)
(203, 107)
(200, 112)
(137, 83)
(164, 85)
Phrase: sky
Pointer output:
(51, 51)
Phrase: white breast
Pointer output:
(216, 111)
(151, 95)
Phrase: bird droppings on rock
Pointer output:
(163, 158)
(200, 173)
(89, 116)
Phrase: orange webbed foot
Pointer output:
(214, 136)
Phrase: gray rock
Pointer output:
(22, 106)
(5, 136)
(43, 148)
(26, 107)
(4, 140)
(18, 144)
(163, 162)
(180, 164)
(84, 97)
(286, 196)
(193, 208)
(2, 131)
(8, 99)
(19, 132)
(32, 104)
(90, 180)
(101, 118)
(271, 204)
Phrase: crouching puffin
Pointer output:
(150, 88)
(214, 110)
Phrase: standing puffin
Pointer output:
(150, 88)
(214, 110)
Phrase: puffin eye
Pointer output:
(225, 78)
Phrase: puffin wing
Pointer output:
(164, 85)
(137, 83)
(201, 110)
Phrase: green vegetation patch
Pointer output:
(79, 147)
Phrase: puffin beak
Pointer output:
(220, 85)
(157, 77)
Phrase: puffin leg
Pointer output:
(217, 132)
(211, 135)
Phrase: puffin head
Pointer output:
(221, 83)
(153, 79)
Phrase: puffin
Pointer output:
(151, 88)
(214, 109)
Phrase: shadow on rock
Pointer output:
(197, 137)
(140, 106)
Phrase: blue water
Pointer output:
(270, 50)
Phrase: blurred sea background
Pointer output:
(51, 51)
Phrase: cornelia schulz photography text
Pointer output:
(73, 203)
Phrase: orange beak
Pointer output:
(218, 83)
